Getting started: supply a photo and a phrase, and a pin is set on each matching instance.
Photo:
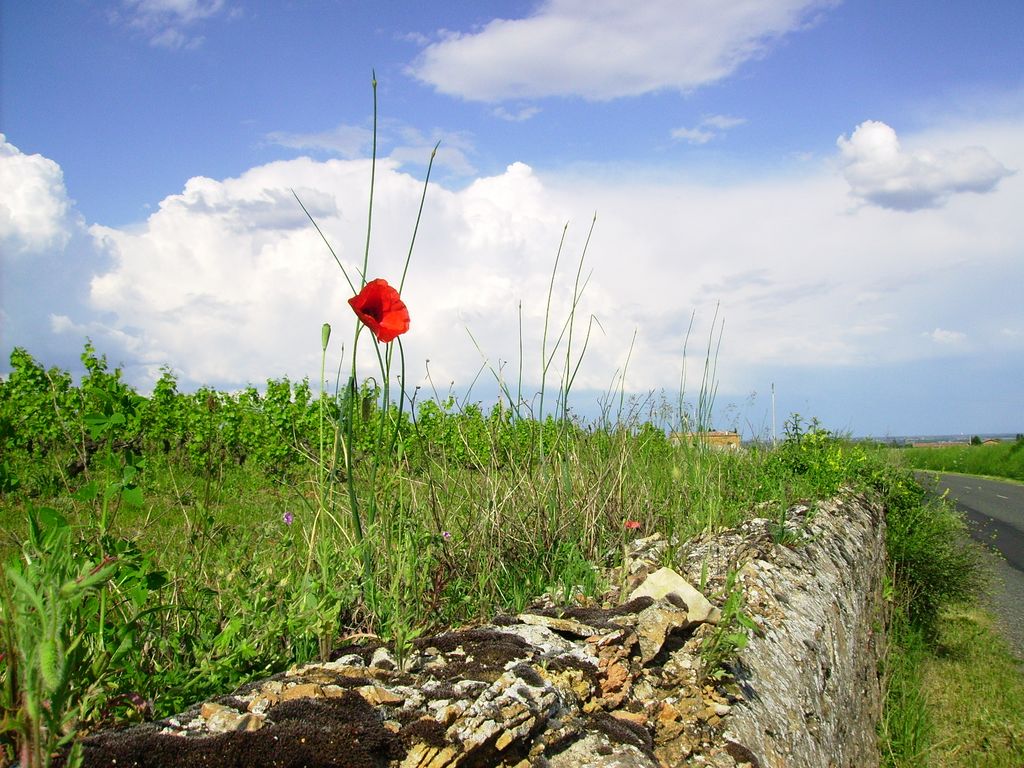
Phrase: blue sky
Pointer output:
(840, 181)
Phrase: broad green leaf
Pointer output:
(51, 518)
(87, 492)
(132, 496)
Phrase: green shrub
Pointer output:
(926, 541)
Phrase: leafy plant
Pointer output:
(730, 635)
(55, 665)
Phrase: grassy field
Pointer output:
(165, 548)
(1004, 459)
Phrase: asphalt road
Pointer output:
(995, 515)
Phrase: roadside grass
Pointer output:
(1005, 459)
(973, 688)
(954, 697)
(906, 727)
(932, 565)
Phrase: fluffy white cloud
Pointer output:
(34, 206)
(882, 173)
(605, 49)
(231, 283)
(228, 283)
(168, 23)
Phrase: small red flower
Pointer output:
(381, 309)
(632, 525)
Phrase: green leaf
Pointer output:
(49, 664)
(87, 492)
(51, 518)
(26, 589)
(132, 496)
(97, 424)
(123, 648)
(156, 580)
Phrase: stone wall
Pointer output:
(809, 676)
(620, 683)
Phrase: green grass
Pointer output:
(213, 586)
(973, 688)
(217, 568)
(906, 728)
(954, 693)
(1005, 459)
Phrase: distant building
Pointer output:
(715, 439)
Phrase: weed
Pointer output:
(729, 636)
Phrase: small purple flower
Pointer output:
(446, 535)
(288, 518)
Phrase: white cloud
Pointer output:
(516, 116)
(34, 206)
(169, 23)
(693, 135)
(605, 49)
(349, 141)
(228, 282)
(709, 128)
(942, 336)
(723, 122)
(412, 147)
(882, 173)
(402, 143)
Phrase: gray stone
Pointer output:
(654, 625)
(812, 694)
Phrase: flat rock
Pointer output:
(665, 581)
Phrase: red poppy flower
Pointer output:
(632, 525)
(381, 309)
